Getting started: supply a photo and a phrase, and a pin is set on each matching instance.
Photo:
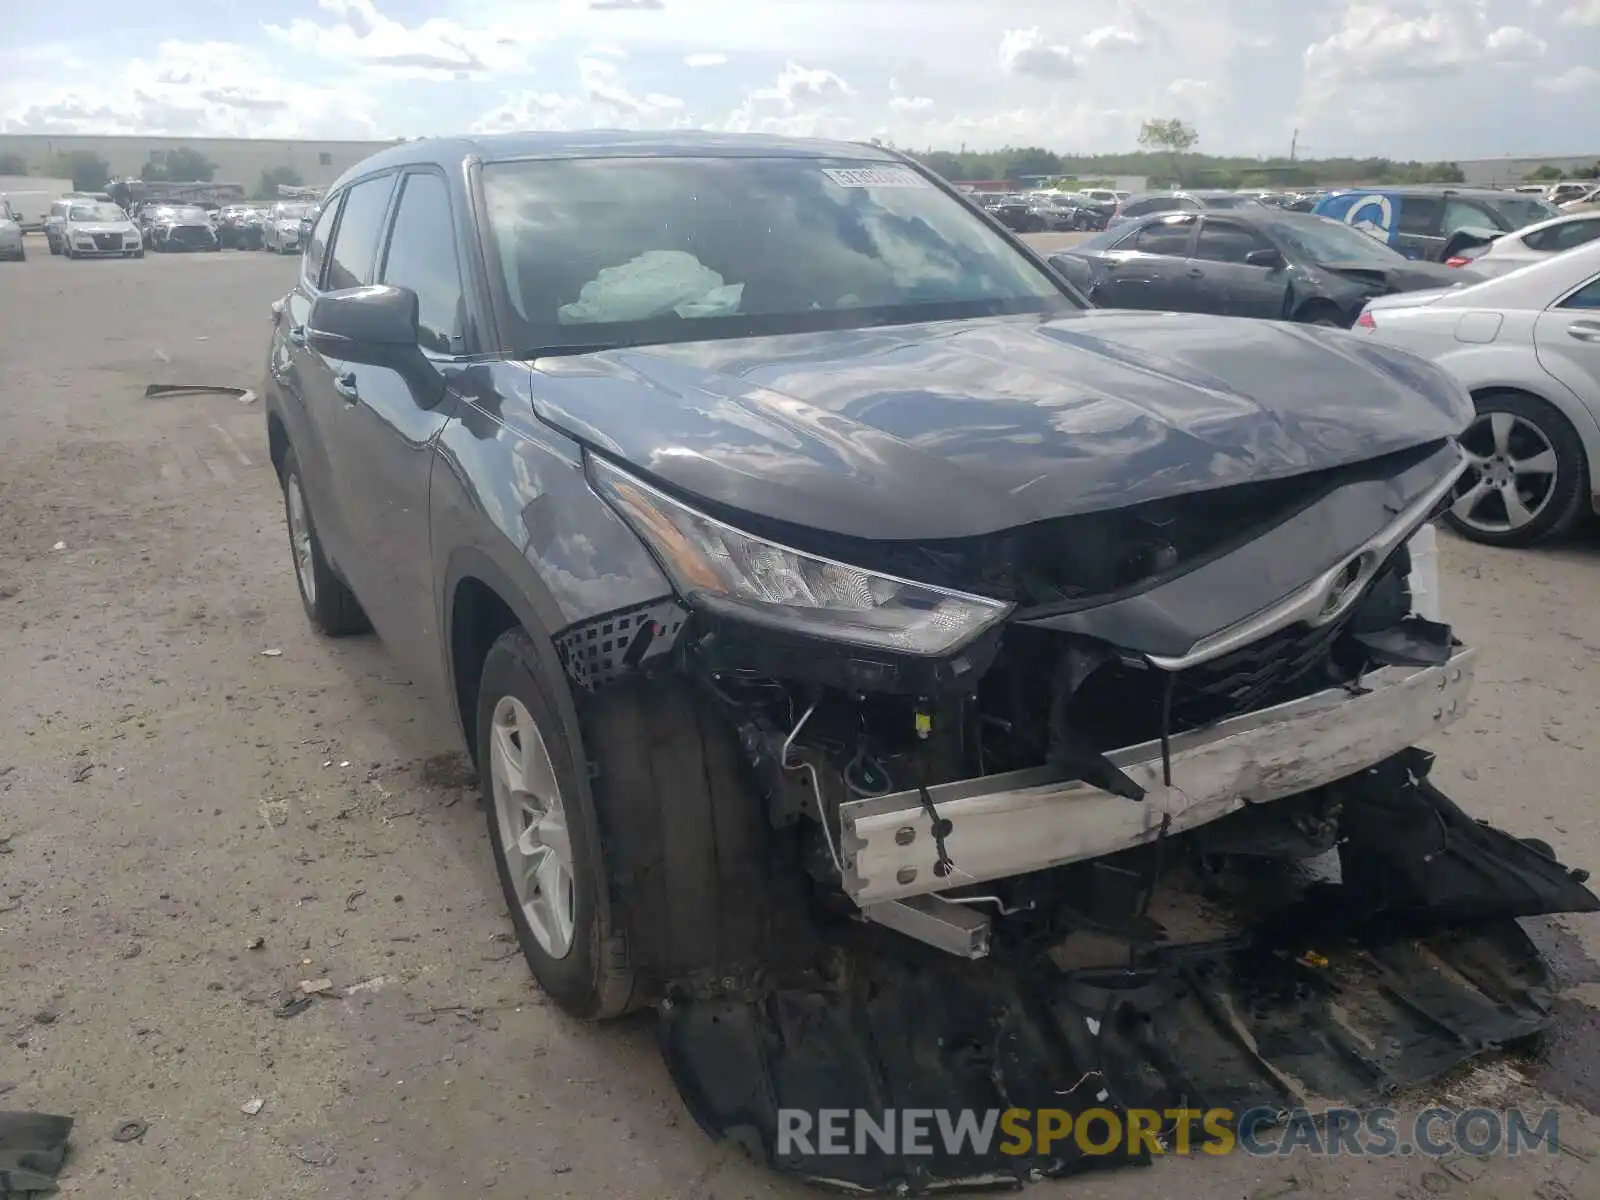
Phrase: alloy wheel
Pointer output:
(533, 826)
(1511, 473)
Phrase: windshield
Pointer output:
(1227, 201)
(186, 213)
(291, 212)
(96, 212)
(1521, 210)
(1324, 240)
(612, 251)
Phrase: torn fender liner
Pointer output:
(33, 1147)
(1344, 993)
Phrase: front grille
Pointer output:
(108, 241)
(1251, 677)
(190, 235)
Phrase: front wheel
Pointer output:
(329, 603)
(546, 838)
(1527, 476)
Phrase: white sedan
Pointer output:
(1527, 346)
(1530, 244)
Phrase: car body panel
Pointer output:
(1532, 349)
(1114, 276)
(870, 433)
(1535, 243)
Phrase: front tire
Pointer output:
(1528, 477)
(546, 838)
(329, 603)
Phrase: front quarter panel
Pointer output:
(509, 497)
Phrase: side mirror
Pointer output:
(374, 325)
(1272, 260)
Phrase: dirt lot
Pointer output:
(204, 804)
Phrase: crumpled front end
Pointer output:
(1119, 812)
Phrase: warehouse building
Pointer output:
(237, 160)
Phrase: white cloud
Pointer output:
(1029, 52)
(438, 48)
(1406, 78)
(1572, 82)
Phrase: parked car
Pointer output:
(1143, 204)
(1507, 251)
(11, 235)
(183, 227)
(1569, 190)
(1583, 202)
(1016, 213)
(99, 229)
(239, 227)
(307, 220)
(1433, 223)
(1527, 345)
(281, 227)
(785, 539)
(1243, 262)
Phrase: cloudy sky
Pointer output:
(1406, 78)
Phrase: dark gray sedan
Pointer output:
(1256, 262)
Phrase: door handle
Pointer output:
(1585, 331)
(1195, 273)
(345, 385)
(296, 335)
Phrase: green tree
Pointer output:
(1031, 160)
(13, 164)
(944, 164)
(1173, 136)
(183, 165)
(272, 177)
(1546, 172)
(87, 170)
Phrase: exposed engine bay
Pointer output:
(1185, 834)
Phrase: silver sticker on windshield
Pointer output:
(874, 177)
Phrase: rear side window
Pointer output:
(1417, 214)
(355, 242)
(1169, 236)
(422, 257)
(1463, 214)
(1563, 237)
(317, 244)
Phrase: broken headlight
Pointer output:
(717, 567)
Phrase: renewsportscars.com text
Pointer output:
(1364, 1132)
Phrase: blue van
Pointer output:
(1433, 223)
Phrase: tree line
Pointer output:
(90, 172)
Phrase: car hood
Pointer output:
(955, 429)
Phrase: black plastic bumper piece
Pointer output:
(1408, 967)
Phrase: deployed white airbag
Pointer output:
(653, 284)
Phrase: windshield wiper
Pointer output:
(561, 351)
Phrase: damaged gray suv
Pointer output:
(919, 686)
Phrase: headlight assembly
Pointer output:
(721, 569)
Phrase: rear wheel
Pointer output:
(1325, 315)
(329, 603)
(1527, 476)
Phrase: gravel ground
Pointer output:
(203, 804)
